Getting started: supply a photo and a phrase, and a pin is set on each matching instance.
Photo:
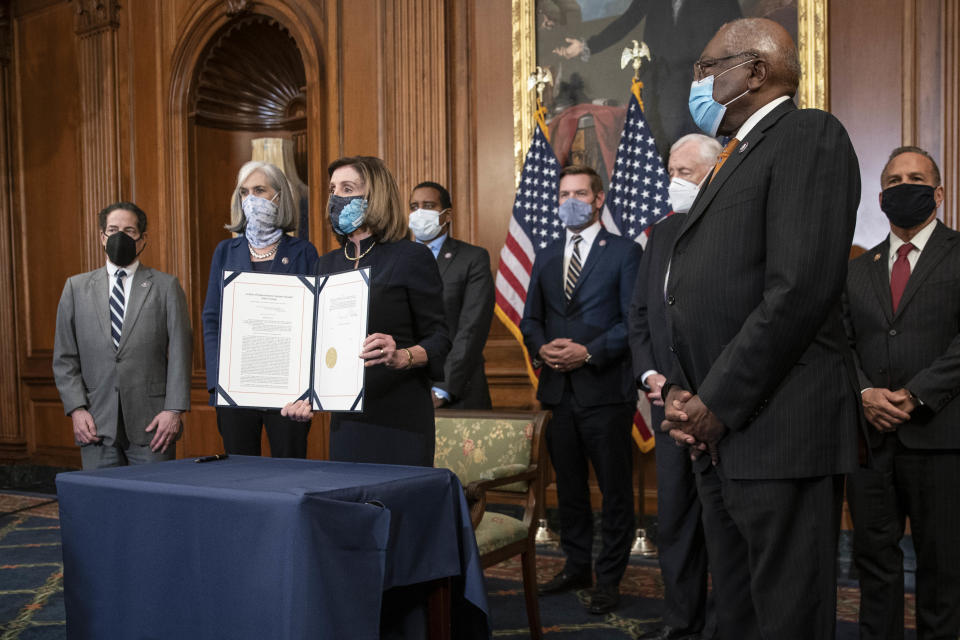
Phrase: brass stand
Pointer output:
(643, 546)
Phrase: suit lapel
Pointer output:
(880, 277)
(448, 251)
(100, 291)
(599, 244)
(139, 290)
(937, 247)
(747, 146)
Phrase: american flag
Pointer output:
(533, 226)
(636, 200)
(638, 197)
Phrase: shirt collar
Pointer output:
(130, 269)
(588, 234)
(757, 116)
(919, 241)
(435, 244)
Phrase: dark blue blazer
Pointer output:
(293, 256)
(595, 317)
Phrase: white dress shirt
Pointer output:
(918, 241)
(589, 235)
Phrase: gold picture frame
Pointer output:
(811, 42)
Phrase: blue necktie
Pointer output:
(116, 308)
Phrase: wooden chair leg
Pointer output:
(528, 560)
(438, 610)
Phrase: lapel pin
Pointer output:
(876, 257)
(603, 243)
(448, 255)
(743, 147)
(145, 284)
(285, 260)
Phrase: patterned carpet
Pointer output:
(31, 587)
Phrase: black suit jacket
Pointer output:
(753, 299)
(595, 316)
(918, 347)
(468, 306)
(649, 336)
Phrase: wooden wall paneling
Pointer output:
(49, 217)
(866, 85)
(461, 151)
(96, 29)
(415, 90)
(929, 82)
(12, 434)
(49, 432)
(950, 56)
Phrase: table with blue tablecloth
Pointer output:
(250, 547)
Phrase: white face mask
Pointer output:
(682, 194)
(425, 224)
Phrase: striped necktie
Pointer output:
(116, 308)
(573, 269)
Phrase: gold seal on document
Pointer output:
(331, 358)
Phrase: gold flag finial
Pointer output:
(634, 54)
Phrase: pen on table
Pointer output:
(219, 456)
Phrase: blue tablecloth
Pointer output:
(256, 547)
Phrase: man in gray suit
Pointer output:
(903, 312)
(121, 356)
(467, 298)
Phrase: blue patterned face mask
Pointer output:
(346, 213)
(261, 230)
(707, 112)
(574, 212)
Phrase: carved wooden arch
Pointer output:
(306, 23)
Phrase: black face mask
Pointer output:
(908, 205)
(121, 249)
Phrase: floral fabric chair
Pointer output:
(499, 458)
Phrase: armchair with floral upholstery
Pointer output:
(500, 458)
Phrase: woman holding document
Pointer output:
(262, 210)
(407, 342)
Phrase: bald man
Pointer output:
(765, 386)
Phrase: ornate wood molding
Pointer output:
(238, 7)
(231, 90)
(94, 16)
(415, 86)
(950, 37)
(12, 433)
(99, 125)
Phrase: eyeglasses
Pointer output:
(133, 232)
(701, 68)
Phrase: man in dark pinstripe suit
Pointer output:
(766, 381)
(903, 317)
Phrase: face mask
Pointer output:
(121, 249)
(261, 214)
(908, 205)
(707, 112)
(682, 194)
(346, 213)
(574, 212)
(425, 224)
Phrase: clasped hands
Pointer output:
(563, 354)
(886, 409)
(378, 348)
(690, 423)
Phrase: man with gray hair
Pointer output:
(683, 556)
(764, 379)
